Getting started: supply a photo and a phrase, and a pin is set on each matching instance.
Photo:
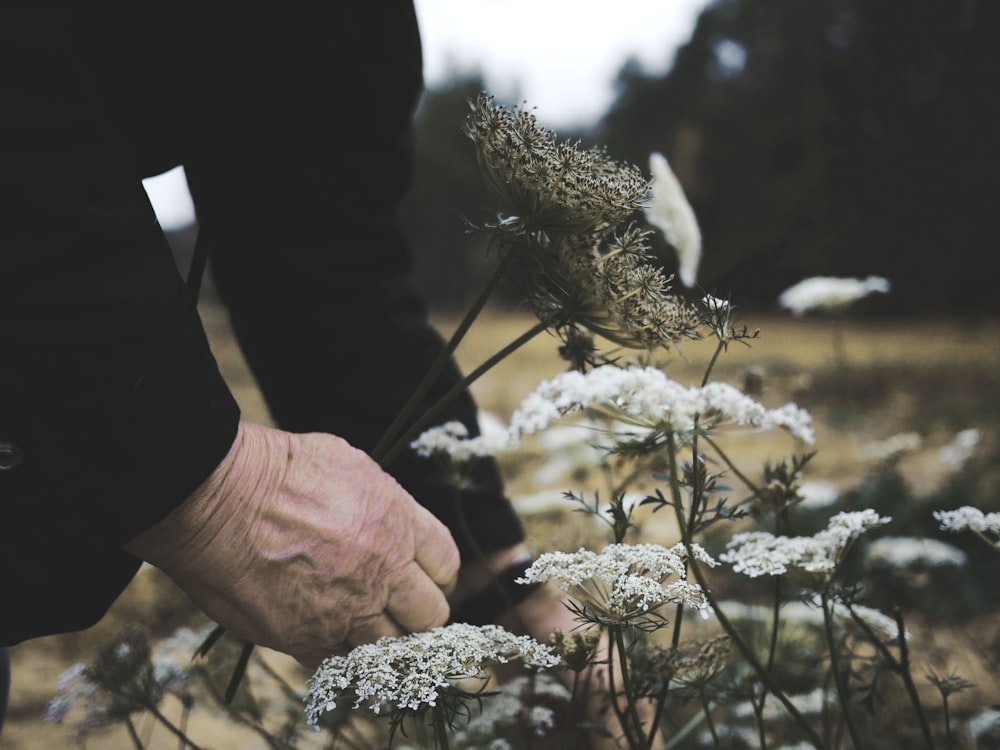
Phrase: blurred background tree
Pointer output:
(831, 137)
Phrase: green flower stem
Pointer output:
(705, 706)
(421, 424)
(173, 729)
(685, 730)
(754, 489)
(456, 338)
(711, 363)
(900, 666)
(133, 734)
(772, 649)
(613, 693)
(724, 622)
(633, 709)
(838, 678)
(440, 731)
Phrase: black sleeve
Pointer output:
(112, 410)
(299, 186)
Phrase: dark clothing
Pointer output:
(295, 135)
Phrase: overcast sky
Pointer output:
(559, 56)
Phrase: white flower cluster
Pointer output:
(960, 449)
(890, 449)
(411, 672)
(760, 553)
(641, 396)
(905, 552)
(829, 293)
(452, 439)
(671, 213)
(623, 581)
(971, 519)
(818, 493)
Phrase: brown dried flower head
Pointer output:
(551, 186)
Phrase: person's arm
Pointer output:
(120, 432)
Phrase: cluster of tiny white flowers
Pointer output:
(817, 493)
(905, 552)
(714, 304)
(829, 293)
(623, 580)
(72, 687)
(641, 396)
(960, 449)
(972, 519)
(452, 439)
(645, 396)
(878, 621)
(760, 553)
(983, 727)
(892, 447)
(671, 213)
(411, 672)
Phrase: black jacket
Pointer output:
(295, 138)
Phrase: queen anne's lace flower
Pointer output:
(968, 518)
(641, 397)
(671, 213)
(623, 582)
(412, 671)
(829, 293)
(905, 552)
(760, 553)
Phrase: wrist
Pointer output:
(221, 502)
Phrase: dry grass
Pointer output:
(935, 377)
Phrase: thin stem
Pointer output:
(133, 734)
(456, 338)
(680, 735)
(758, 715)
(633, 709)
(724, 622)
(708, 716)
(711, 363)
(947, 721)
(458, 388)
(170, 726)
(440, 731)
(613, 695)
(773, 644)
(733, 468)
(838, 678)
(904, 670)
(899, 666)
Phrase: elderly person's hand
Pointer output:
(301, 543)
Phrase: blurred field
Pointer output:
(863, 382)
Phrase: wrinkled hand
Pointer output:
(301, 543)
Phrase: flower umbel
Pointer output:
(551, 186)
(760, 553)
(829, 293)
(416, 671)
(624, 583)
